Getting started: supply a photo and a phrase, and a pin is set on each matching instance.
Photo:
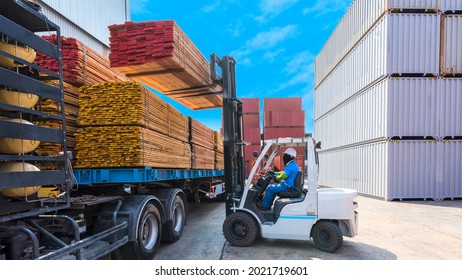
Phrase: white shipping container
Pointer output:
(394, 107)
(450, 5)
(360, 17)
(396, 170)
(398, 44)
(449, 98)
(451, 53)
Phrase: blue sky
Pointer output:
(274, 42)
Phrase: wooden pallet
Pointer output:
(160, 55)
(130, 103)
(129, 146)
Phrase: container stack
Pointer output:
(125, 125)
(388, 95)
(202, 145)
(160, 55)
(251, 130)
(81, 66)
(284, 117)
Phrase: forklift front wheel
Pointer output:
(327, 236)
(240, 229)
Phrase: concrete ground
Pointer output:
(409, 230)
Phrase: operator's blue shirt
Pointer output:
(291, 171)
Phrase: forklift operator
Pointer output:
(288, 176)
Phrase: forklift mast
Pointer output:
(232, 126)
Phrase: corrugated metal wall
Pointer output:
(399, 43)
(399, 79)
(396, 169)
(357, 21)
(451, 53)
(87, 20)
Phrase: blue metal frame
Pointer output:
(141, 175)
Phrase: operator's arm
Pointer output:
(281, 175)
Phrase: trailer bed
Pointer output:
(139, 175)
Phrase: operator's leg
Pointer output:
(271, 192)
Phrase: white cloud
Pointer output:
(321, 7)
(138, 7)
(271, 55)
(212, 7)
(272, 8)
(266, 40)
(300, 70)
(219, 5)
(235, 28)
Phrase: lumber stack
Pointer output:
(81, 65)
(71, 102)
(125, 125)
(218, 142)
(202, 145)
(130, 103)
(201, 135)
(129, 146)
(160, 55)
(202, 158)
(219, 151)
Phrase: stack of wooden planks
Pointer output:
(202, 158)
(129, 146)
(130, 103)
(160, 55)
(71, 103)
(219, 151)
(202, 145)
(128, 126)
(81, 65)
(201, 135)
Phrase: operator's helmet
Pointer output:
(291, 152)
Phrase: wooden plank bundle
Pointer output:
(202, 158)
(71, 112)
(130, 103)
(219, 160)
(160, 55)
(129, 146)
(201, 135)
(81, 65)
(218, 139)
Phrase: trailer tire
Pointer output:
(327, 236)
(174, 226)
(240, 229)
(148, 235)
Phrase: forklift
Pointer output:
(323, 214)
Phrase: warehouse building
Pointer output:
(388, 99)
(87, 20)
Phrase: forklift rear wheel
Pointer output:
(174, 226)
(327, 236)
(240, 229)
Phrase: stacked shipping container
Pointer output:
(386, 75)
(284, 117)
(252, 132)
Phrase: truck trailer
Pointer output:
(92, 213)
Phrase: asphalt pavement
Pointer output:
(397, 230)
